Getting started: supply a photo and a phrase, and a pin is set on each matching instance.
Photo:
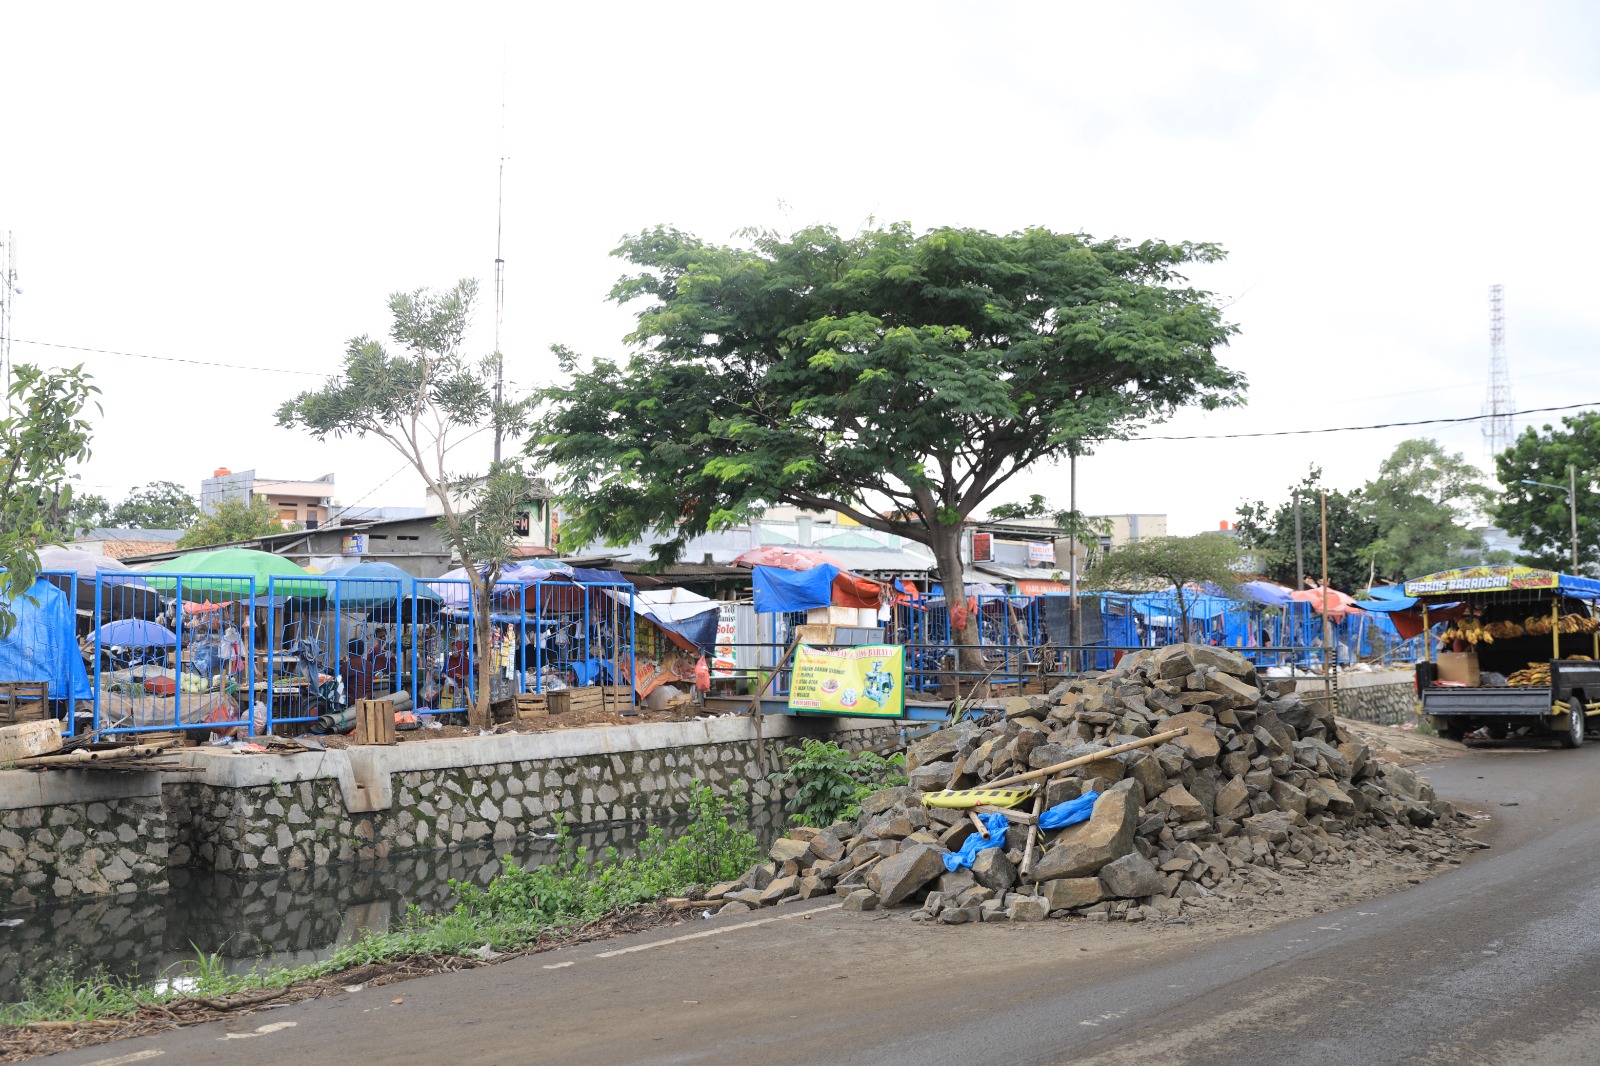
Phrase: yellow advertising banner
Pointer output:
(1483, 579)
(868, 681)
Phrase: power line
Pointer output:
(170, 358)
(1380, 425)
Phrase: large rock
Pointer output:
(1080, 850)
(993, 869)
(826, 846)
(1199, 743)
(1235, 691)
(939, 744)
(1233, 798)
(1226, 661)
(786, 849)
(1132, 876)
(1184, 806)
(1065, 893)
(897, 877)
(881, 801)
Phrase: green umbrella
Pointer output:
(216, 575)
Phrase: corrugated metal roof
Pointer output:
(1022, 573)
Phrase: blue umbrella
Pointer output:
(376, 587)
(137, 633)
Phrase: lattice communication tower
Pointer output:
(1497, 428)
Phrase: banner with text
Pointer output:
(868, 681)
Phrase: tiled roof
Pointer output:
(127, 549)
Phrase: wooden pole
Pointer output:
(1049, 771)
(1033, 836)
(1327, 622)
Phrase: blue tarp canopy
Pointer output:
(43, 645)
(1267, 592)
(778, 590)
(1388, 599)
(585, 576)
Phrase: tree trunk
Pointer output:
(946, 544)
(478, 710)
(1183, 616)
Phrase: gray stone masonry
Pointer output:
(268, 814)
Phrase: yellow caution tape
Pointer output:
(976, 797)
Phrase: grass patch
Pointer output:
(509, 913)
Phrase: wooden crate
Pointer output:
(374, 722)
(24, 701)
(590, 698)
(532, 705)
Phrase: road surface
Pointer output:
(1495, 962)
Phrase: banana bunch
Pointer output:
(1579, 623)
(1536, 625)
(1505, 630)
(1533, 674)
(1471, 630)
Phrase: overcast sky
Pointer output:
(245, 184)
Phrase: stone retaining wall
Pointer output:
(1386, 697)
(62, 838)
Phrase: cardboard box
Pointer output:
(1458, 666)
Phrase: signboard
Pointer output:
(1484, 579)
(725, 657)
(521, 523)
(983, 547)
(1040, 588)
(354, 544)
(1041, 552)
(867, 681)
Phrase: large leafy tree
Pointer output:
(158, 505)
(1269, 533)
(1207, 558)
(232, 521)
(1421, 502)
(1539, 515)
(43, 434)
(898, 378)
(423, 401)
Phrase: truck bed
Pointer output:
(1510, 701)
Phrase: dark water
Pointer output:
(295, 917)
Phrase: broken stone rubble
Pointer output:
(1261, 787)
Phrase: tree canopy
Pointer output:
(1540, 516)
(895, 377)
(1207, 558)
(1421, 503)
(43, 434)
(158, 505)
(424, 401)
(233, 521)
(1269, 533)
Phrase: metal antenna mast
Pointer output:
(8, 294)
(499, 268)
(1497, 428)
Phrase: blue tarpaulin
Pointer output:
(1070, 812)
(1388, 598)
(585, 576)
(43, 644)
(996, 825)
(779, 590)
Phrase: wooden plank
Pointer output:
(375, 722)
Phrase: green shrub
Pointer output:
(830, 782)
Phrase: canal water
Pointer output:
(292, 918)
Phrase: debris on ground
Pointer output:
(1209, 786)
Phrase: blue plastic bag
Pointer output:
(1070, 812)
(996, 825)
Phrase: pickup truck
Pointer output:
(1563, 706)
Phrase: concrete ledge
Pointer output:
(46, 788)
(364, 772)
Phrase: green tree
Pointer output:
(42, 435)
(898, 378)
(423, 402)
(158, 505)
(1269, 533)
(1421, 502)
(72, 513)
(1212, 558)
(1540, 516)
(233, 521)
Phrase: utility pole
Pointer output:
(499, 269)
(1072, 550)
(1572, 509)
(1299, 548)
(1328, 655)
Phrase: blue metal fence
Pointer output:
(234, 652)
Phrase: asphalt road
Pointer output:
(1495, 962)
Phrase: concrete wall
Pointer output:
(1386, 697)
(71, 834)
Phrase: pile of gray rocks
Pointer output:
(1261, 788)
